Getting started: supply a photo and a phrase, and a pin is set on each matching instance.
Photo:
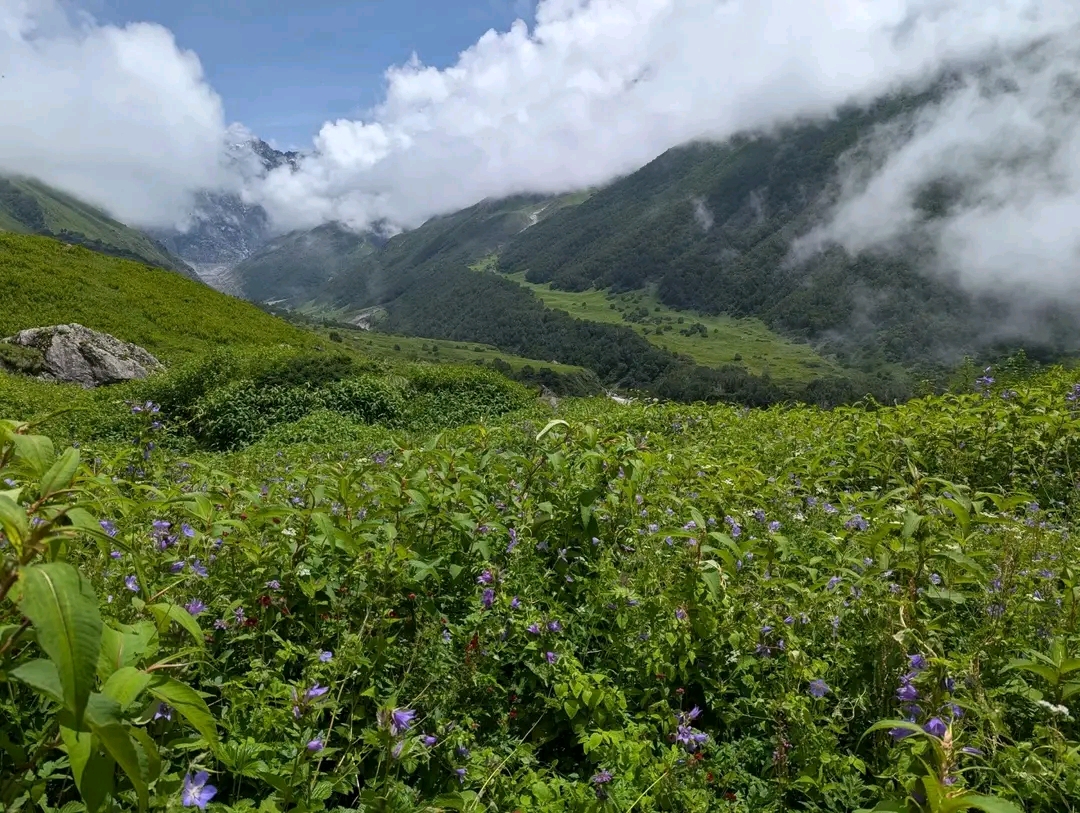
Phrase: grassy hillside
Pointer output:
(709, 340)
(31, 207)
(46, 282)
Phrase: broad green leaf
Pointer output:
(118, 742)
(149, 756)
(166, 612)
(41, 674)
(125, 685)
(64, 611)
(36, 451)
(93, 771)
(188, 702)
(976, 801)
(61, 473)
(125, 647)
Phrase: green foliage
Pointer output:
(18, 359)
(56, 645)
(648, 607)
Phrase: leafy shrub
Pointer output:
(23, 360)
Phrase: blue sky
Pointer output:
(283, 67)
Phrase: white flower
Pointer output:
(288, 532)
(1061, 711)
(303, 570)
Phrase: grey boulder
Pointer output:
(78, 354)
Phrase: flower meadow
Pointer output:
(643, 608)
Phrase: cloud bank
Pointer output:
(595, 89)
(988, 179)
(120, 117)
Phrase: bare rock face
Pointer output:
(78, 354)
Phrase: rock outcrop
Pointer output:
(78, 354)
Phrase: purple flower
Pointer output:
(195, 606)
(833, 582)
(221, 624)
(758, 514)
(460, 774)
(819, 688)
(513, 540)
(601, 778)
(694, 713)
(774, 526)
(187, 531)
(325, 656)
(429, 740)
(176, 567)
(273, 584)
(199, 569)
(900, 733)
(857, 523)
(401, 720)
(533, 628)
(935, 579)
(399, 746)
(971, 751)
(488, 597)
(515, 602)
(239, 614)
(132, 584)
(107, 527)
(918, 662)
(162, 712)
(485, 577)
(680, 614)
(195, 792)
(315, 745)
(907, 692)
(115, 554)
(935, 726)
(316, 691)
(550, 657)
(554, 626)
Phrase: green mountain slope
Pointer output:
(46, 282)
(710, 228)
(30, 207)
(295, 265)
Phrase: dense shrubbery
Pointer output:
(632, 608)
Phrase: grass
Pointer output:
(64, 213)
(718, 341)
(46, 282)
(410, 348)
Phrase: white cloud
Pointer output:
(595, 89)
(1005, 147)
(120, 117)
(599, 87)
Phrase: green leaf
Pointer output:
(36, 451)
(63, 609)
(551, 425)
(976, 801)
(122, 748)
(125, 647)
(61, 473)
(40, 674)
(13, 521)
(188, 702)
(125, 685)
(93, 772)
(164, 612)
